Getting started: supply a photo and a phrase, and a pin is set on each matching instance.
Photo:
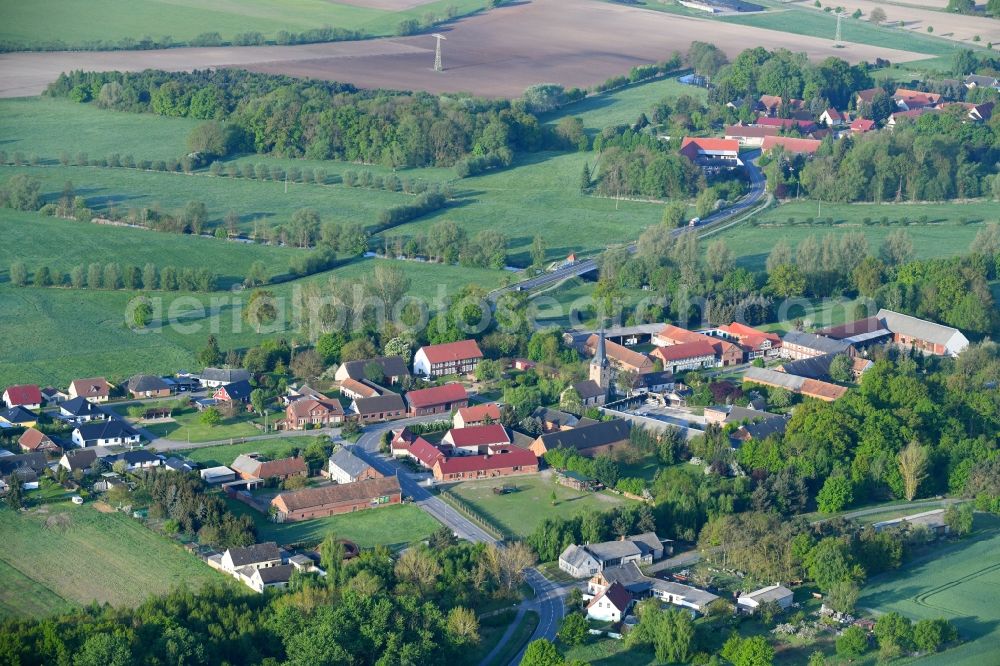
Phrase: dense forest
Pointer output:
(317, 119)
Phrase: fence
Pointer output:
(470, 512)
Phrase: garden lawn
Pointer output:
(394, 526)
(958, 581)
(520, 512)
(102, 557)
(44, 21)
(609, 652)
(187, 426)
(63, 244)
(225, 454)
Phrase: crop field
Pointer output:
(520, 512)
(63, 244)
(225, 454)
(395, 526)
(495, 53)
(949, 25)
(48, 563)
(44, 21)
(960, 582)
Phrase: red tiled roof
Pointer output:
(31, 439)
(452, 351)
(482, 435)
(685, 350)
(702, 143)
(335, 494)
(862, 125)
(425, 452)
(785, 122)
(283, 467)
(482, 412)
(305, 406)
(618, 352)
(24, 394)
(749, 336)
(868, 94)
(616, 594)
(751, 131)
(513, 457)
(360, 388)
(437, 395)
(791, 145)
(92, 387)
(677, 334)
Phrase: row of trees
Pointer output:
(115, 276)
(447, 242)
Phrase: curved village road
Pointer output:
(548, 600)
(751, 199)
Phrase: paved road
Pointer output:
(917, 506)
(752, 198)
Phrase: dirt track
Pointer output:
(498, 53)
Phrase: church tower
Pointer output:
(600, 368)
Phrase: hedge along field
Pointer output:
(941, 236)
(49, 127)
(53, 336)
(88, 556)
(111, 20)
(959, 582)
(62, 244)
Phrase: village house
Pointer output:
(488, 412)
(257, 556)
(770, 105)
(866, 96)
(972, 81)
(587, 440)
(81, 410)
(407, 445)
(78, 459)
(751, 601)
(136, 460)
(554, 419)
(35, 440)
(437, 399)
(685, 356)
(502, 462)
(726, 353)
(23, 395)
(175, 464)
(293, 393)
(791, 145)
(148, 386)
(252, 466)
(799, 344)
(18, 417)
(358, 388)
(755, 344)
(861, 125)
(610, 605)
(393, 369)
(706, 152)
(833, 118)
(312, 413)
(750, 136)
(451, 358)
(641, 586)
(380, 408)
(925, 336)
(216, 377)
(105, 433)
(53, 396)
(812, 388)
(336, 499)
(476, 439)
(234, 392)
(586, 560)
(345, 467)
(94, 389)
(26, 468)
(621, 357)
(909, 100)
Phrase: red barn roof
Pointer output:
(452, 351)
(791, 145)
(684, 350)
(489, 410)
(437, 395)
(708, 144)
(513, 457)
(482, 435)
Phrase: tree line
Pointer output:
(113, 275)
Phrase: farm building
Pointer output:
(437, 399)
(554, 419)
(393, 369)
(621, 357)
(712, 152)
(798, 344)
(380, 408)
(922, 335)
(337, 499)
(452, 358)
(358, 388)
(754, 343)
(588, 440)
(345, 467)
(685, 356)
(812, 388)
(477, 415)
(220, 474)
(503, 462)
(641, 586)
(476, 439)
(750, 602)
(580, 561)
(791, 145)
(250, 466)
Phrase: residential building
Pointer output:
(778, 594)
(23, 395)
(136, 460)
(345, 467)
(94, 389)
(641, 586)
(501, 462)
(726, 353)
(380, 408)
(393, 369)
(18, 417)
(812, 388)
(26, 467)
(358, 388)
(833, 118)
(78, 459)
(760, 429)
(105, 433)
(488, 412)
(588, 440)
(437, 399)
(234, 392)
(909, 100)
(799, 344)
(981, 81)
(586, 560)
(175, 464)
(622, 358)
(476, 439)
(451, 358)
(791, 145)
(417, 449)
(610, 605)
(35, 440)
(911, 115)
(252, 466)
(554, 419)
(750, 136)
(216, 377)
(148, 386)
(337, 499)
(313, 413)
(685, 356)
(922, 335)
(770, 105)
(866, 96)
(53, 396)
(755, 344)
(861, 126)
(712, 152)
(257, 556)
(81, 410)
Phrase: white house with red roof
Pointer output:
(28, 396)
(437, 399)
(711, 152)
(908, 100)
(503, 462)
(611, 605)
(488, 412)
(451, 358)
(833, 118)
(477, 439)
(862, 125)
(692, 355)
(755, 344)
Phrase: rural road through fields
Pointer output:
(751, 199)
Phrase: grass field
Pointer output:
(95, 557)
(522, 511)
(394, 526)
(81, 243)
(960, 582)
(525, 628)
(76, 23)
(187, 426)
(225, 454)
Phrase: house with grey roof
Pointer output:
(922, 335)
(644, 548)
(256, 556)
(798, 345)
(81, 410)
(346, 467)
(577, 562)
(270, 577)
(216, 377)
(641, 586)
(751, 601)
(148, 386)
